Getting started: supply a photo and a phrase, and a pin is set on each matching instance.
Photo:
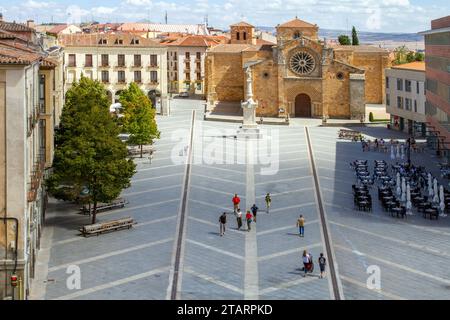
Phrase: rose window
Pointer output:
(302, 63)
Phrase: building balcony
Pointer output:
(88, 66)
(120, 66)
(72, 65)
(105, 81)
(153, 82)
(104, 65)
(187, 59)
(36, 178)
(153, 66)
(138, 81)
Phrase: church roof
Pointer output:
(297, 23)
(360, 48)
(242, 24)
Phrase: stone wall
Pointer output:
(227, 78)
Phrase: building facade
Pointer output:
(405, 98)
(30, 106)
(186, 62)
(299, 76)
(437, 60)
(116, 60)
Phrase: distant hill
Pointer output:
(364, 37)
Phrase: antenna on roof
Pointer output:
(165, 17)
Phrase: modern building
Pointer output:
(30, 106)
(186, 61)
(405, 98)
(437, 60)
(299, 75)
(116, 60)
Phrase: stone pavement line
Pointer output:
(287, 284)
(213, 190)
(223, 252)
(251, 277)
(214, 280)
(307, 204)
(149, 191)
(285, 228)
(397, 265)
(159, 177)
(221, 169)
(298, 251)
(334, 282)
(364, 286)
(282, 180)
(176, 270)
(215, 225)
(110, 254)
(140, 224)
(218, 179)
(113, 284)
(209, 204)
(410, 244)
(294, 159)
(284, 169)
(285, 192)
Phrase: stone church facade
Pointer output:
(299, 76)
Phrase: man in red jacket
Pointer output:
(236, 201)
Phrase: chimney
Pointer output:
(30, 24)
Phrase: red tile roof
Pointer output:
(93, 39)
(242, 24)
(57, 29)
(17, 54)
(297, 23)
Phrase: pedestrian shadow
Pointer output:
(293, 234)
(214, 233)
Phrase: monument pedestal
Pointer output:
(249, 129)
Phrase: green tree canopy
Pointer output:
(419, 56)
(139, 116)
(344, 40)
(410, 57)
(355, 39)
(89, 155)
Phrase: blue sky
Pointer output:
(368, 15)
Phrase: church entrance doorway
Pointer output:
(303, 106)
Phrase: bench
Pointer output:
(349, 134)
(107, 226)
(137, 152)
(118, 203)
(433, 213)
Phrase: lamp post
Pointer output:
(408, 143)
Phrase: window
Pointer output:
(188, 66)
(121, 60)
(408, 104)
(42, 93)
(418, 87)
(71, 76)
(154, 76)
(154, 60)
(175, 76)
(244, 35)
(199, 86)
(387, 82)
(88, 60)
(72, 60)
(188, 55)
(137, 60)
(188, 77)
(102, 41)
(238, 36)
(415, 105)
(118, 41)
(296, 35)
(400, 84)
(135, 41)
(400, 102)
(121, 76)
(199, 66)
(105, 60)
(137, 77)
(388, 100)
(199, 55)
(408, 85)
(199, 76)
(105, 76)
(175, 56)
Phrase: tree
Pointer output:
(355, 40)
(400, 55)
(139, 116)
(90, 161)
(410, 57)
(419, 56)
(344, 40)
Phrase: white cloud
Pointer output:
(37, 4)
(103, 10)
(139, 2)
(398, 3)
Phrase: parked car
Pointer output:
(184, 94)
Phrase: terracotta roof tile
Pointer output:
(16, 54)
(297, 23)
(242, 24)
(14, 27)
(93, 39)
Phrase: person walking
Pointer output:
(254, 211)
(223, 222)
(306, 257)
(236, 201)
(248, 218)
(322, 264)
(301, 226)
(239, 219)
(268, 202)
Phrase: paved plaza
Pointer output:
(174, 203)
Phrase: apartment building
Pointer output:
(405, 98)
(116, 60)
(186, 61)
(30, 106)
(437, 109)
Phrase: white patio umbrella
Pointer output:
(408, 200)
(399, 190)
(442, 204)
(403, 199)
(435, 191)
(392, 153)
(430, 186)
(398, 152)
(402, 152)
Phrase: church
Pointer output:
(299, 76)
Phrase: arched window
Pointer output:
(238, 36)
(245, 35)
(296, 35)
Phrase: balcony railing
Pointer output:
(153, 82)
(139, 81)
(104, 65)
(121, 81)
(72, 65)
(36, 176)
(153, 65)
(32, 121)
